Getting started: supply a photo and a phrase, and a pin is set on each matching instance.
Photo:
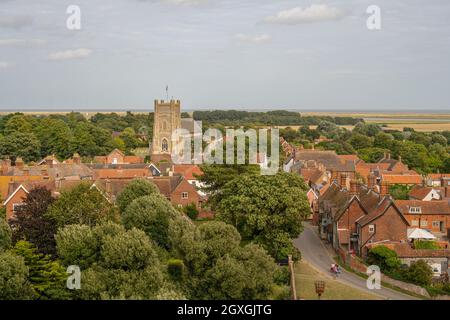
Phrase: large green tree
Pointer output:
(135, 189)
(83, 204)
(31, 223)
(265, 209)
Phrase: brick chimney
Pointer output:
(334, 176)
(10, 187)
(371, 181)
(354, 187)
(26, 171)
(49, 161)
(384, 189)
(19, 163)
(6, 164)
(108, 186)
(343, 180)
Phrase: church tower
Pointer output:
(167, 118)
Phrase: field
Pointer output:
(305, 276)
(397, 121)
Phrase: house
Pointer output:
(433, 216)
(118, 157)
(178, 190)
(123, 171)
(403, 179)
(438, 260)
(438, 180)
(352, 216)
(426, 193)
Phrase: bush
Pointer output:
(175, 268)
(420, 273)
(423, 244)
(385, 258)
(191, 211)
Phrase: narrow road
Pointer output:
(315, 252)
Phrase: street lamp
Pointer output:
(320, 287)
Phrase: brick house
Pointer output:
(118, 157)
(353, 217)
(433, 216)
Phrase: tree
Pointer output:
(135, 189)
(47, 277)
(32, 224)
(20, 144)
(129, 137)
(81, 245)
(359, 141)
(17, 123)
(246, 274)
(426, 244)
(263, 207)
(382, 140)
(399, 191)
(130, 250)
(55, 137)
(371, 155)
(5, 234)
(82, 204)
(384, 257)
(152, 214)
(420, 273)
(14, 283)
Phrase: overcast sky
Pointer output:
(243, 54)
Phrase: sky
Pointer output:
(223, 54)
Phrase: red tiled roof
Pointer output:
(402, 178)
(427, 207)
(188, 171)
(420, 192)
(437, 176)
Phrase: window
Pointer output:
(415, 223)
(415, 210)
(184, 195)
(165, 145)
(114, 161)
(16, 206)
(424, 223)
(436, 224)
(371, 228)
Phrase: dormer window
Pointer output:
(415, 210)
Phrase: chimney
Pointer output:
(343, 180)
(354, 187)
(6, 164)
(19, 163)
(49, 161)
(389, 155)
(76, 158)
(384, 189)
(334, 175)
(108, 186)
(371, 181)
(10, 187)
(26, 171)
(399, 158)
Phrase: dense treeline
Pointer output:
(424, 152)
(35, 136)
(279, 118)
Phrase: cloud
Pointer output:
(5, 65)
(15, 22)
(70, 54)
(253, 39)
(21, 42)
(298, 15)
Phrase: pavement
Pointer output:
(316, 253)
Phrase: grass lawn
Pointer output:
(305, 276)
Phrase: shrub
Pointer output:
(423, 244)
(191, 211)
(135, 189)
(420, 273)
(385, 258)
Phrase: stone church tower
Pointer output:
(167, 118)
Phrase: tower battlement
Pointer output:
(167, 118)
